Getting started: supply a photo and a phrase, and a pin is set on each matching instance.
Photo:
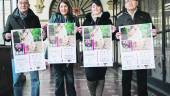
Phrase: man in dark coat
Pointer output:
(22, 17)
(132, 15)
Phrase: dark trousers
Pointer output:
(141, 82)
(64, 75)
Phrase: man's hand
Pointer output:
(154, 32)
(7, 36)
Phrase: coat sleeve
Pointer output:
(118, 23)
(52, 18)
(78, 35)
(110, 21)
(38, 25)
(84, 23)
(76, 20)
(150, 20)
(8, 28)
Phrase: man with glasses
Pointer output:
(22, 17)
(133, 15)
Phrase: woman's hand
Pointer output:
(118, 35)
(79, 29)
(47, 65)
(44, 32)
(113, 29)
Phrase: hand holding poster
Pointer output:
(28, 53)
(97, 46)
(62, 43)
(137, 51)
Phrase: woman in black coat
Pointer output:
(95, 75)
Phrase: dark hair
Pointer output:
(68, 4)
(18, 1)
(98, 3)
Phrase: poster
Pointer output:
(137, 51)
(97, 46)
(28, 53)
(62, 43)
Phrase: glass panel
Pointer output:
(1, 23)
(168, 40)
(7, 6)
(7, 11)
(167, 16)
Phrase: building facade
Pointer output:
(158, 9)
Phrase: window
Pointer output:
(5, 10)
(1, 23)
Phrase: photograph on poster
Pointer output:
(62, 40)
(27, 41)
(97, 37)
(97, 46)
(61, 34)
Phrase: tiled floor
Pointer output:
(47, 83)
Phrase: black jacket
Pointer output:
(103, 20)
(96, 73)
(140, 17)
(14, 21)
(125, 18)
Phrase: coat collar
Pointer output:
(137, 11)
(16, 13)
(105, 15)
